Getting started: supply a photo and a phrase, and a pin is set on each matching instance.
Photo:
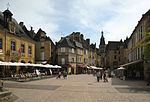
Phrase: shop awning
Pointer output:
(93, 67)
(82, 66)
(121, 68)
(70, 66)
(27, 64)
(131, 63)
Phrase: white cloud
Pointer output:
(117, 18)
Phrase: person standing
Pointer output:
(98, 75)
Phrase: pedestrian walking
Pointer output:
(98, 75)
(59, 75)
(105, 76)
(65, 75)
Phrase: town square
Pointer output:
(74, 51)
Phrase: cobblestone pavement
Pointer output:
(79, 88)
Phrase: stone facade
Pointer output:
(138, 66)
(16, 44)
(84, 55)
(43, 47)
(115, 54)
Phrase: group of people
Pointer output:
(62, 73)
(102, 75)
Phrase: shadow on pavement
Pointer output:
(117, 81)
(130, 86)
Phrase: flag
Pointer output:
(20, 51)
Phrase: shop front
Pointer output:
(135, 70)
(81, 69)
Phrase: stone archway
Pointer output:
(30, 69)
(13, 61)
(1, 59)
(29, 61)
(22, 61)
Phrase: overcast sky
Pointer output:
(116, 18)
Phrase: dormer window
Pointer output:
(42, 35)
(12, 27)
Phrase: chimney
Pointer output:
(95, 45)
(88, 41)
(31, 28)
(21, 24)
(82, 37)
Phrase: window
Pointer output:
(63, 61)
(42, 35)
(84, 51)
(84, 60)
(81, 52)
(72, 59)
(81, 59)
(13, 46)
(1, 43)
(78, 51)
(72, 50)
(12, 28)
(136, 37)
(42, 44)
(22, 48)
(115, 57)
(42, 56)
(89, 60)
(62, 49)
(30, 50)
(141, 32)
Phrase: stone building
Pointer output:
(15, 44)
(115, 54)
(43, 47)
(138, 64)
(84, 53)
(66, 54)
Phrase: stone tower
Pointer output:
(102, 50)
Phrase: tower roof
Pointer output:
(102, 40)
(7, 12)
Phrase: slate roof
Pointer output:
(19, 30)
(85, 45)
(65, 42)
(113, 45)
(77, 44)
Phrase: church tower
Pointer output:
(102, 50)
(102, 45)
(102, 40)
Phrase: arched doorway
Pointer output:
(1, 69)
(30, 69)
(22, 69)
